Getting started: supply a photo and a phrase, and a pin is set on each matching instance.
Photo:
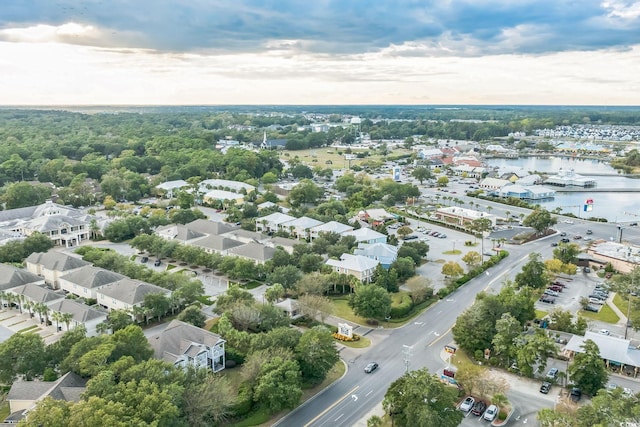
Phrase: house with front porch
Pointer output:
(272, 223)
(53, 264)
(330, 227)
(125, 294)
(85, 281)
(12, 277)
(81, 315)
(358, 266)
(618, 353)
(382, 252)
(186, 345)
(300, 227)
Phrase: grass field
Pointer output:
(341, 309)
(606, 314)
(540, 314)
(321, 157)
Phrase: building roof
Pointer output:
(91, 277)
(130, 291)
(254, 251)
(217, 243)
(377, 250)
(68, 387)
(275, 218)
(11, 277)
(81, 312)
(289, 305)
(378, 214)
(178, 232)
(282, 241)
(178, 337)
(332, 227)
(223, 195)
(611, 348)
(56, 261)
(494, 182)
(235, 185)
(304, 222)
(172, 185)
(365, 234)
(242, 234)
(37, 293)
(206, 226)
(353, 262)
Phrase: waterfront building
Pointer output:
(566, 178)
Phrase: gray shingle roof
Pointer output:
(56, 261)
(37, 293)
(91, 277)
(130, 291)
(59, 390)
(206, 226)
(11, 277)
(217, 243)
(81, 312)
(178, 338)
(254, 251)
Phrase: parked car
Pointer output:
(577, 237)
(551, 292)
(586, 270)
(554, 243)
(442, 236)
(547, 299)
(589, 232)
(479, 408)
(565, 240)
(556, 288)
(491, 413)
(157, 263)
(371, 367)
(563, 234)
(552, 374)
(575, 394)
(633, 224)
(545, 387)
(596, 301)
(410, 237)
(605, 332)
(592, 308)
(467, 404)
(144, 259)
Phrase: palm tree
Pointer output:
(11, 298)
(30, 307)
(38, 308)
(45, 311)
(137, 313)
(489, 209)
(102, 328)
(20, 301)
(3, 298)
(56, 316)
(501, 401)
(66, 319)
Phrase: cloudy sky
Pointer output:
(565, 52)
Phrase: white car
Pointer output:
(605, 332)
(491, 413)
(467, 404)
(568, 221)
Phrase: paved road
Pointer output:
(350, 399)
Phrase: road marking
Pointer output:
(332, 406)
(341, 415)
(368, 393)
(504, 272)
(439, 337)
(354, 397)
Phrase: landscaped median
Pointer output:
(455, 284)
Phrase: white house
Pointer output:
(272, 222)
(367, 235)
(169, 187)
(186, 345)
(53, 264)
(126, 294)
(355, 265)
(84, 281)
(81, 315)
(300, 227)
(382, 252)
(330, 227)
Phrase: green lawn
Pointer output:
(623, 304)
(606, 314)
(341, 309)
(452, 252)
(540, 314)
(4, 410)
(363, 342)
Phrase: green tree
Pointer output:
(534, 349)
(23, 194)
(404, 231)
(370, 301)
(472, 259)
(587, 370)
(193, 315)
(233, 296)
(209, 400)
(313, 305)
(157, 303)
(274, 293)
(540, 220)
(286, 275)
(566, 252)
(508, 328)
(279, 384)
(610, 409)
(443, 181)
(533, 273)
(306, 192)
(22, 354)
(118, 319)
(316, 353)
(49, 412)
(421, 173)
(452, 270)
(419, 399)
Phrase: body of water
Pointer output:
(615, 207)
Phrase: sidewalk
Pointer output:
(623, 318)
